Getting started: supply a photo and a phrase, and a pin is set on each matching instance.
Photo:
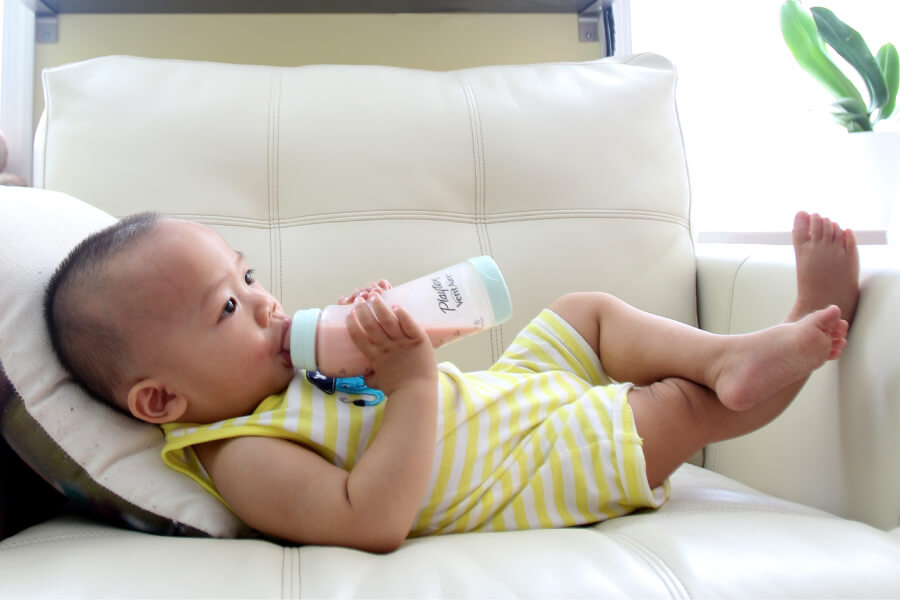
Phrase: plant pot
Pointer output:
(875, 157)
(854, 178)
(870, 177)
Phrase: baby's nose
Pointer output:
(265, 307)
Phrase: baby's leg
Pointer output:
(743, 370)
(642, 348)
(677, 417)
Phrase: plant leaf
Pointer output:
(852, 114)
(889, 63)
(802, 38)
(847, 42)
(842, 119)
(846, 120)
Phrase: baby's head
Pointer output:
(162, 319)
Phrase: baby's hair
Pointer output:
(88, 346)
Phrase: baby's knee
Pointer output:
(582, 302)
(584, 311)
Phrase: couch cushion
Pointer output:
(715, 538)
(572, 176)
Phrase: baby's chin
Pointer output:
(280, 383)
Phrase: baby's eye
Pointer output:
(249, 277)
(229, 308)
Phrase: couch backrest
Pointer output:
(572, 176)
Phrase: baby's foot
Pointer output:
(827, 267)
(761, 364)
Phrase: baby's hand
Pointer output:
(395, 344)
(366, 292)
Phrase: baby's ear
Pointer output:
(149, 400)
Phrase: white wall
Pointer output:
(427, 41)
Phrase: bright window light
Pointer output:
(1, 50)
(17, 83)
(759, 140)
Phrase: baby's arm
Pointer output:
(285, 490)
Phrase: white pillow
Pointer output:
(90, 452)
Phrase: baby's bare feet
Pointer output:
(761, 364)
(827, 267)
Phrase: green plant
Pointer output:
(807, 31)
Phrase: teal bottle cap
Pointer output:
(501, 303)
(303, 338)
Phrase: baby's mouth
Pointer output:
(285, 343)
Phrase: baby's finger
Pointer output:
(375, 288)
(365, 292)
(357, 333)
(369, 322)
(410, 326)
(386, 317)
(348, 299)
(353, 296)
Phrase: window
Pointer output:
(759, 140)
(1, 51)
(17, 83)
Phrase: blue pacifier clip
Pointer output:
(357, 386)
(347, 385)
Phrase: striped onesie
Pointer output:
(541, 439)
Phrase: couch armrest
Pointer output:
(837, 446)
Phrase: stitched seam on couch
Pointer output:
(9, 544)
(269, 167)
(666, 575)
(278, 190)
(480, 216)
(272, 193)
(290, 574)
(653, 516)
(734, 278)
(435, 215)
(477, 163)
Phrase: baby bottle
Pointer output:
(449, 304)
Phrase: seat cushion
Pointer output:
(715, 538)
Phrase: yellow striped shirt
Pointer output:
(541, 439)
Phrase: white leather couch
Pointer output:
(573, 177)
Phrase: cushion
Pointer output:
(531, 164)
(88, 451)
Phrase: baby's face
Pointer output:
(204, 325)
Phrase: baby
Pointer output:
(163, 320)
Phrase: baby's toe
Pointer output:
(801, 227)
